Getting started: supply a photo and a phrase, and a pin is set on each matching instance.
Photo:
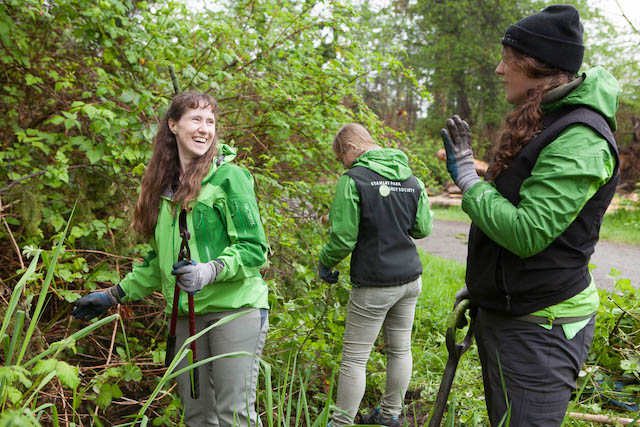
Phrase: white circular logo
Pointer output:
(384, 190)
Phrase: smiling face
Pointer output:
(195, 132)
(517, 82)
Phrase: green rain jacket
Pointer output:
(225, 224)
(345, 211)
(567, 173)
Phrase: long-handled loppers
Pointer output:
(455, 351)
(184, 254)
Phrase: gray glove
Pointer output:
(192, 276)
(457, 144)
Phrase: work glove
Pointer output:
(327, 274)
(192, 276)
(457, 144)
(462, 294)
(96, 303)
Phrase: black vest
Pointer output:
(500, 280)
(385, 254)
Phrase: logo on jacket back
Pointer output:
(386, 187)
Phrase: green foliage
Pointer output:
(615, 346)
(21, 383)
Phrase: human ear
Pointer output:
(172, 125)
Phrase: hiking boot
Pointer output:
(376, 419)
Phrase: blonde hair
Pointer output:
(352, 135)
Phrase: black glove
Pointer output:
(95, 304)
(327, 274)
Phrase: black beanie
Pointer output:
(553, 36)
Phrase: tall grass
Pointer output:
(449, 213)
(18, 392)
(622, 226)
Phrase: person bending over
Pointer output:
(377, 209)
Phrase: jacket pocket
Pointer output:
(210, 232)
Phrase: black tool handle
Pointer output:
(171, 339)
(195, 382)
(455, 351)
(195, 379)
(443, 392)
(171, 350)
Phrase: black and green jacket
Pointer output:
(535, 227)
(378, 207)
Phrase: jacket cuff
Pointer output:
(218, 265)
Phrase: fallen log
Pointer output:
(481, 167)
(602, 419)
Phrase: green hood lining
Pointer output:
(388, 162)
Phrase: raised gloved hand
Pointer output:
(192, 276)
(96, 303)
(457, 144)
(327, 274)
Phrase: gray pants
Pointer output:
(227, 385)
(370, 309)
(539, 366)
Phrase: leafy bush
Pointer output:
(86, 85)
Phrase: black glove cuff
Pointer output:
(120, 293)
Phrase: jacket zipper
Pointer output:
(206, 244)
(504, 282)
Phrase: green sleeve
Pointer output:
(566, 175)
(247, 252)
(144, 279)
(345, 223)
(424, 217)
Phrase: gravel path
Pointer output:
(449, 240)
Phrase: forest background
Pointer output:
(84, 83)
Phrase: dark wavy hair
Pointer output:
(522, 124)
(163, 169)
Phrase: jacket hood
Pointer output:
(388, 162)
(599, 91)
(226, 154)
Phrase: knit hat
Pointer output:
(553, 36)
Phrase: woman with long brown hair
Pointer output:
(190, 180)
(537, 217)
